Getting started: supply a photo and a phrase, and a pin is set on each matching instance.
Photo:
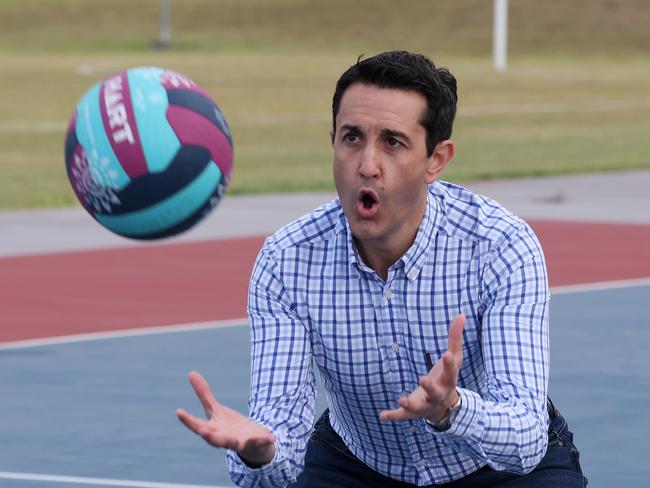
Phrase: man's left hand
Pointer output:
(437, 391)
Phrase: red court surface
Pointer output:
(104, 290)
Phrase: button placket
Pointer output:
(388, 293)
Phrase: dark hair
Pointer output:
(412, 72)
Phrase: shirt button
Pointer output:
(423, 463)
(388, 293)
(412, 275)
(414, 429)
(395, 347)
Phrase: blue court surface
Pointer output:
(101, 412)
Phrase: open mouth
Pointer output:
(367, 203)
(368, 200)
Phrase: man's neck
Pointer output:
(381, 254)
(380, 258)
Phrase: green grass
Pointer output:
(575, 97)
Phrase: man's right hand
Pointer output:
(228, 428)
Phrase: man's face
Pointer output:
(381, 167)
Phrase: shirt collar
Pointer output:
(415, 257)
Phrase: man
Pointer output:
(424, 307)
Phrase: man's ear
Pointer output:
(331, 131)
(442, 154)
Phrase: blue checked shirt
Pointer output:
(313, 300)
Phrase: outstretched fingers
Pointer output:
(202, 390)
(207, 431)
(455, 340)
(408, 406)
(195, 424)
(436, 389)
(395, 414)
(431, 387)
(227, 428)
(450, 368)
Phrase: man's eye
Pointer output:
(350, 137)
(392, 142)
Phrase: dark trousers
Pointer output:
(330, 464)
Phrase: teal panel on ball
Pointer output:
(168, 213)
(104, 166)
(149, 98)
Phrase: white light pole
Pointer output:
(500, 35)
(165, 31)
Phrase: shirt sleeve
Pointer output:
(282, 379)
(506, 427)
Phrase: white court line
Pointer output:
(51, 478)
(217, 324)
(599, 285)
(117, 334)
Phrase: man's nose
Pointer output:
(369, 166)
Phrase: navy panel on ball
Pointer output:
(190, 221)
(71, 143)
(153, 188)
(202, 105)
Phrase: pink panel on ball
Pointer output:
(193, 129)
(171, 80)
(120, 124)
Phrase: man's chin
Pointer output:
(365, 229)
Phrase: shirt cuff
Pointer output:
(467, 423)
(243, 475)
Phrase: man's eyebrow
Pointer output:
(395, 133)
(351, 128)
